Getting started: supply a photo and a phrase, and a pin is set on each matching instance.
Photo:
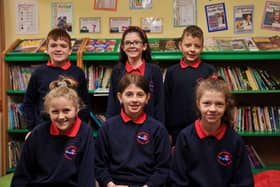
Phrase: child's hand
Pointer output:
(110, 184)
(27, 135)
(145, 185)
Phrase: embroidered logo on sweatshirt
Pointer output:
(71, 152)
(143, 138)
(152, 86)
(224, 158)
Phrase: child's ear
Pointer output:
(119, 95)
(180, 45)
(197, 104)
(145, 47)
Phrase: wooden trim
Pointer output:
(3, 146)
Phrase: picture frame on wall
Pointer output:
(62, 16)
(243, 19)
(119, 24)
(216, 17)
(110, 5)
(152, 24)
(90, 24)
(140, 4)
(184, 12)
(271, 16)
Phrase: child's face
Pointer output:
(62, 113)
(58, 51)
(212, 106)
(133, 46)
(133, 99)
(191, 48)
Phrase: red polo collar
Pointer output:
(138, 121)
(71, 133)
(194, 65)
(203, 133)
(64, 67)
(140, 70)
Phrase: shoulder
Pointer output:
(207, 65)
(39, 70)
(40, 130)
(76, 69)
(174, 67)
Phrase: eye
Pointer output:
(53, 45)
(128, 94)
(63, 45)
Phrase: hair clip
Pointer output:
(62, 84)
(214, 77)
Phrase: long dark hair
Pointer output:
(146, 55)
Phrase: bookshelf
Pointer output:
(266, 143)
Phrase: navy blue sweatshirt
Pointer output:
(179, 87)
(132, 154)
(56, 160)
(155, 106)
(210, 161)
(38, 87)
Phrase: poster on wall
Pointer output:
(105, 4)
(119, 24)
(62, 16)
(243, 19)
(26, 17)
(89, 25)
(271, 17)
(151, 24)
(184, 12)
(140, 4)
(216, 17)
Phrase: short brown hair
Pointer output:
(59, 34)
(138, 80)
(194, 31)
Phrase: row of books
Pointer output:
(15, 118)
(19, 76)
(257, 119)
(254, 158)
(248, 78)
(98, 77)
(169, 44)
(14, 152)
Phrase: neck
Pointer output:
(210, 127)
(135, 63)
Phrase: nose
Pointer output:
(212, 108)
(61, 115)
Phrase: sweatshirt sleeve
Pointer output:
(242, 175)
(162, 159)
(87, 171)
(159, 94)
(113, 105)
(24, 170)
(102, 159)
(30, 96)
(84, 113)
(179, 165)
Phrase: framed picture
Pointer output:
(89, 24)
(105, 5)
(243, 19)
(216, 17)
(119, 24)
(140, 4)
(184, 12)
(62, 16)
(151, 24)
(271, 17)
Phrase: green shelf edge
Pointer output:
(265, 133)
(17, 130)
(156, 55)
(268, 167)
(10, 170)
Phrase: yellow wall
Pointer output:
(161, 8)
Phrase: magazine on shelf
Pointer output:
(267, 43)
(28, 45)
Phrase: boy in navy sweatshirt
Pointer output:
(59, 48)
(181, 80)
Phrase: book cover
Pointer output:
(267, 43)
(28, 45)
